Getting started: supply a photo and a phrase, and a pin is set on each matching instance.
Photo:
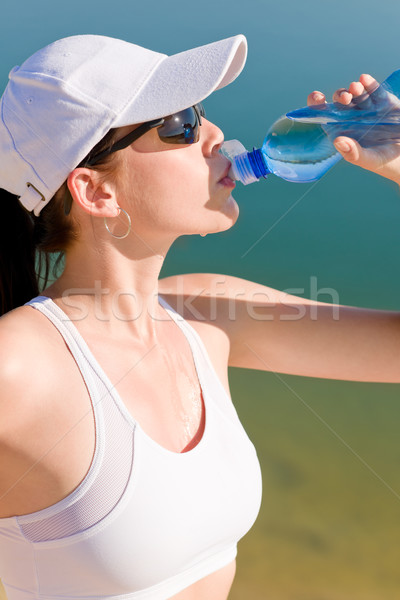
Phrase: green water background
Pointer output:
(329, 525)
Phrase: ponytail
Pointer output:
(18, 282)
(29, 244)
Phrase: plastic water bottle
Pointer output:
(298, 147)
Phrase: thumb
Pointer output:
(367, 158)
(348, 148)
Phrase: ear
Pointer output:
(92, 195)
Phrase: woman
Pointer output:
(125, 471)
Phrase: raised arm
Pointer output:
(270, 330)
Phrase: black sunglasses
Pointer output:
(179, 128)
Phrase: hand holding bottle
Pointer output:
(383, 159)
(301, 146)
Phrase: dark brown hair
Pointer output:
(30, 245)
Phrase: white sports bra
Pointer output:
(145, 522)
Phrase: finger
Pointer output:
(382, 96)
(361, 96)
(343, 96)
(382, 161)
(351, 151)
(347, 148)
(356, 88)
(369, 83)
(379, 96)
(315, 98)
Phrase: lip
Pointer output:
(226, 180)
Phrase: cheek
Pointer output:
(169, 190)
(180, 173)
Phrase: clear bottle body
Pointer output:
(293, 151)
(298, 152)
(299, 146)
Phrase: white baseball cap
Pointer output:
(62, 101)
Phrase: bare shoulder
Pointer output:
(29, 347)
(24, 340)
(220, 308)
(35, 366)
(20, 335)
(24, 354)
(46, 429)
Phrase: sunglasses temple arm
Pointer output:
(125, 141)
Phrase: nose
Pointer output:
(211, 138)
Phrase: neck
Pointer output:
(117, 290)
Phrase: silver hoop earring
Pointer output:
(128, 224)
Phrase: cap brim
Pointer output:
(186, 78)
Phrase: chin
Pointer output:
(230, 209)
(227, 216)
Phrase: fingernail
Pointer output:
(343, 146)
(317, 97)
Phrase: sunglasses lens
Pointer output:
(182, 127)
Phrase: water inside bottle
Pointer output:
(298, 152)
